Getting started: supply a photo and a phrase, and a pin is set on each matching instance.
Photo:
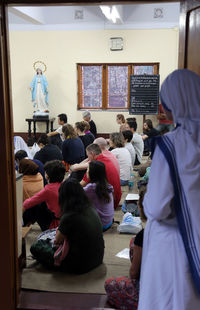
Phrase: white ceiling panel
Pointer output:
(136, 16)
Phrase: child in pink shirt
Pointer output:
(43, 207)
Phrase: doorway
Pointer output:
(8, 229)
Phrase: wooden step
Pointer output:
(38, 300)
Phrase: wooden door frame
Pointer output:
(77, 2)
(185, 10)
(8, 227)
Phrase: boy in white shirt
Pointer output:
(128, 135)
(62, 120)
(137, 141)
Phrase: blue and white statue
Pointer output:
(39, 89)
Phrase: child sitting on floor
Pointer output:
(56, 137)
(128, 136)
(123, 292)
(80, 227)
(117, 142)
(32, 179)
(100, 193)
(21, 154)
(43, 207)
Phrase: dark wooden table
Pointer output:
(34, 121)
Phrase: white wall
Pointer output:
(62, 50)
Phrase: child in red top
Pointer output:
(43, 207)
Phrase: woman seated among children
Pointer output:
(87, 139)
(73, 150)
(80, 227)
(123, 292)
(148, 132)
(43, 207)
(87, 130)
(91, 123)
(100, 193)
(120, 119)
(117, 142)
(32, 179)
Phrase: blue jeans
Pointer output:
(105, 227)
(123, 182)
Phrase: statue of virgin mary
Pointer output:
(39, 89)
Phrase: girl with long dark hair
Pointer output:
(80, 230)
(148, 133)
(81, 226)
(100, 192)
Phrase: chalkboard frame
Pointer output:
(140, 110)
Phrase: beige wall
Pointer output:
(61, 50)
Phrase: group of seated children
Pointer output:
(81, 207)
(142, 143)
(79, 214)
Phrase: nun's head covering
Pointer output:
(20, 144)
(180, 94)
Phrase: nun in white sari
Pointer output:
(170, 272)
(20, 144)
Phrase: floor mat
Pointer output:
(36, 277)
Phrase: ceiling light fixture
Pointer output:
(110, 12)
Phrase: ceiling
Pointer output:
(135, 16)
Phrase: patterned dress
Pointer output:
(123, 292)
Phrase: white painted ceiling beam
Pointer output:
(31, 14)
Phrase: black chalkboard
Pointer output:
(144, 94)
